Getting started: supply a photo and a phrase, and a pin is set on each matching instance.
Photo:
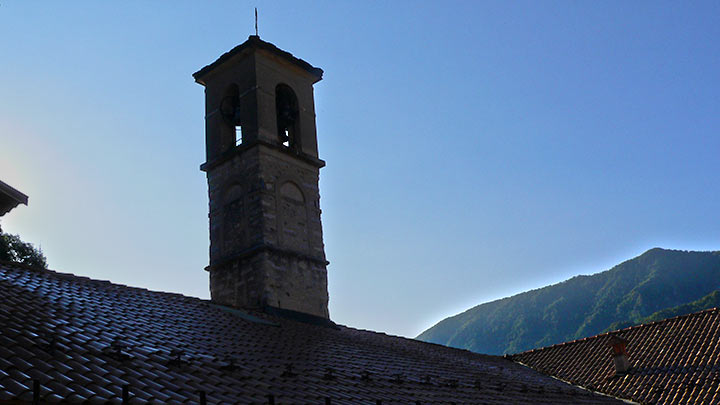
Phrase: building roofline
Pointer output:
(10, 198)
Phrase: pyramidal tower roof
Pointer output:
(254, 43)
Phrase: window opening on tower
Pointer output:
(286, 107)
(238, 135)
(230, 110)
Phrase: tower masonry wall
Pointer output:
(269, 278)
(291, 204)
(266, 233)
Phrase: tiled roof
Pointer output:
(673, 361)
(10, 198)
(82, 340)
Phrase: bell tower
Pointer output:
(262, 167)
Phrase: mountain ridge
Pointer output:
(582, 305)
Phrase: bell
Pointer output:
(236, 117)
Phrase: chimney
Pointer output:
(620, 356)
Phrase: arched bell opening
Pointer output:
(288, 117)
(230, 111)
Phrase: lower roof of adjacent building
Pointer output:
(673, 361)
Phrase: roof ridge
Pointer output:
(71, 276)
(423, 344)
(642, 325)
(25, 266)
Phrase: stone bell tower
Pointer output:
(266, 246)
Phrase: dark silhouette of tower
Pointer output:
(266, 246)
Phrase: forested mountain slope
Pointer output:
(711, 300)
(583, 305)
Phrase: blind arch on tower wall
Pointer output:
(292, 191)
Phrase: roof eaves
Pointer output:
(625, 400)
(10, 198)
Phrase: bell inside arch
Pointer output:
(231, 112)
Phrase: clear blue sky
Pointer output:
(475, 149)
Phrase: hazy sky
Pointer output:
(474, 149)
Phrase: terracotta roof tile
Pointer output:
(84, 340)
(676, 360)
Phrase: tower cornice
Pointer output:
(240, 149)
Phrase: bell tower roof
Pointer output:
(253, 43)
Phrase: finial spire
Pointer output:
(256, 28)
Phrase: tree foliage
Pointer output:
(13, 249)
